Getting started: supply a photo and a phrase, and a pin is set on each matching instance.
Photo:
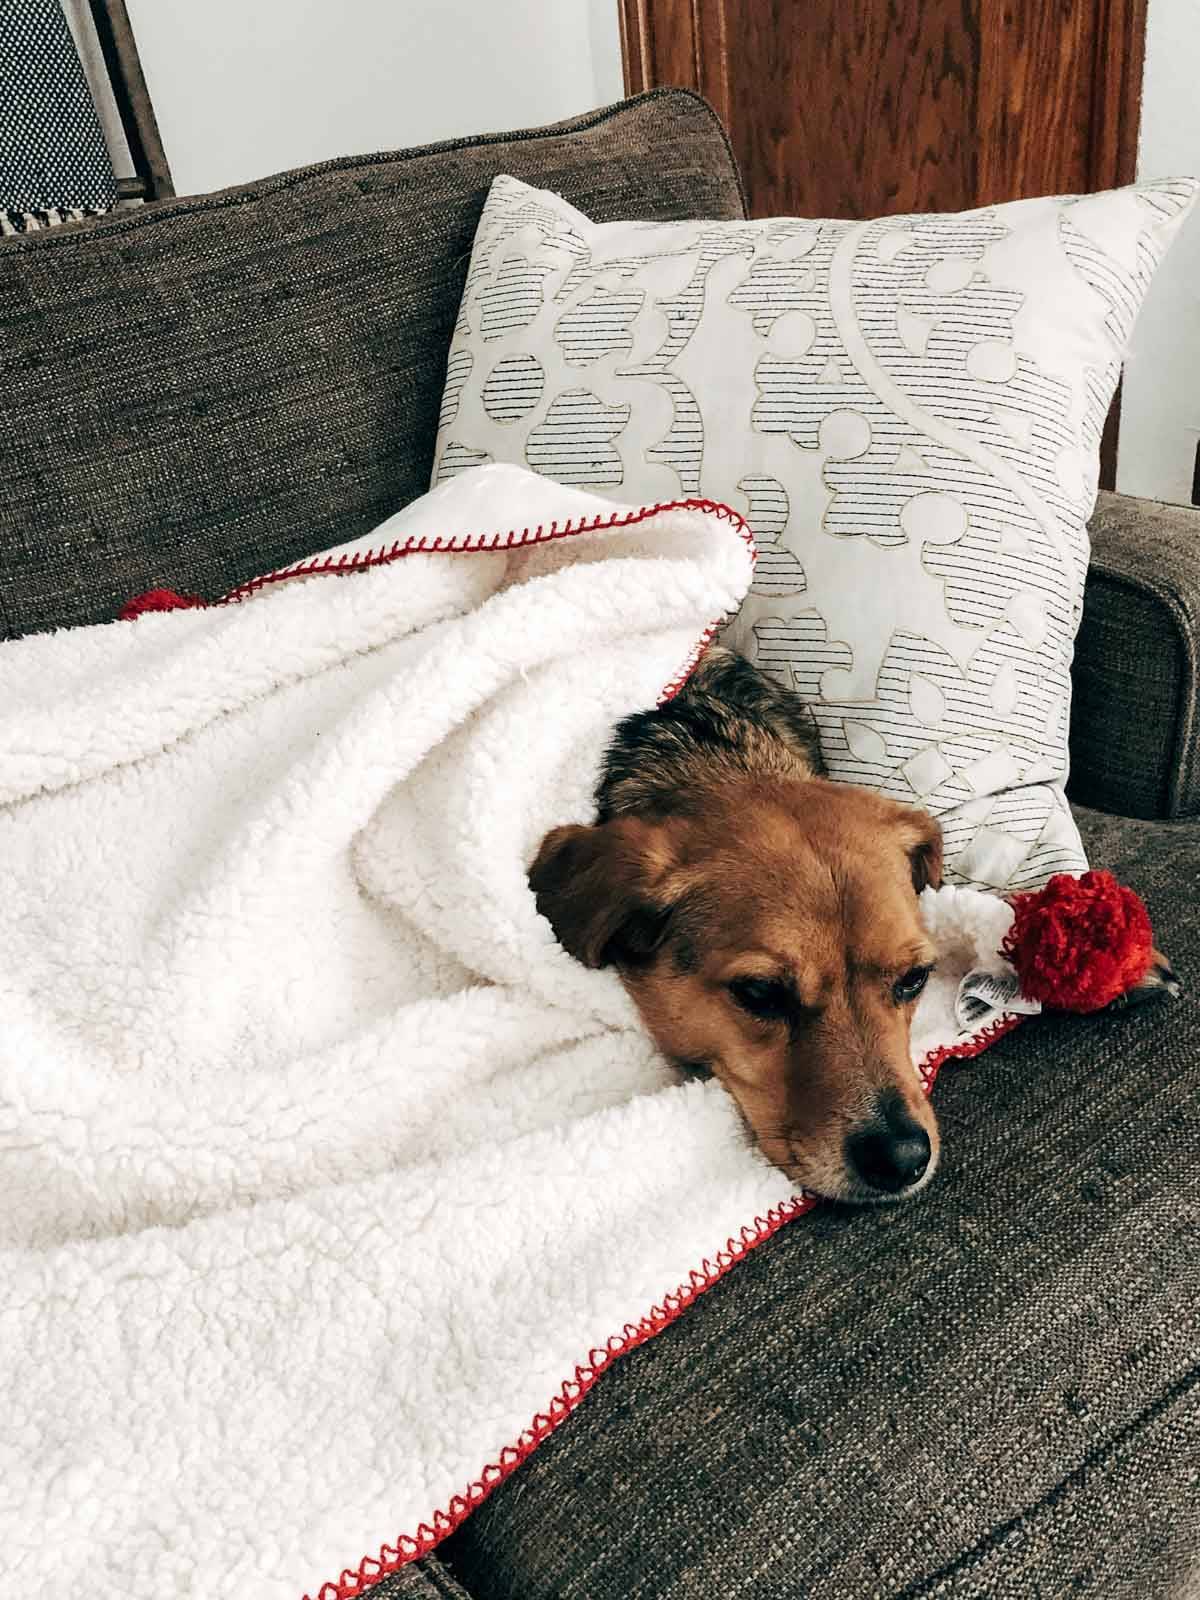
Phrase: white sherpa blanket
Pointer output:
(328, 1182)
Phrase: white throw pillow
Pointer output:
(908, 411)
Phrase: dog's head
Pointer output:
(772, 936)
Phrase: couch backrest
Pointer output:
(209, 388)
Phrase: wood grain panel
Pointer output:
(853, 107)
(658, 44)
(1033, 114)
(1059, 96)
(859, 107)
(1118, 61)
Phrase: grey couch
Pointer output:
(994, 1391)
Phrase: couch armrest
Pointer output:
(1135, 723)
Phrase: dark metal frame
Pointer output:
(132, 98)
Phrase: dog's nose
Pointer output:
(890, 1152)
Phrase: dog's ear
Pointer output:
(923, 841)
(596, 886)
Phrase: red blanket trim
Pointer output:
(411, 1547)
(361, 560)
(966, 1048)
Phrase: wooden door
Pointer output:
(859, 108)
(855, 108)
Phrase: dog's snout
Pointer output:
(890, 1152)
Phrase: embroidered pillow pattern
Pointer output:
(907, 410)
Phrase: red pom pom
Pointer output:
(1079, 943)
(159, 600)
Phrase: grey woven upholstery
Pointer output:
(1135, 724)
(206, 388)
(422, 1580)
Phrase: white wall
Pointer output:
(1160, 409)
(242, 88)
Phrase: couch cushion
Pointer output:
(421, 1580)
(1135, 724)
(206, 388)
(994, 1391)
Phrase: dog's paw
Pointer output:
(1160, 983)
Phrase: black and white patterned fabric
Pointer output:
(908, 412)
(54, 162)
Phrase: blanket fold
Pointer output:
(328, 1182)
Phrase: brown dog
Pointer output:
(765, 922)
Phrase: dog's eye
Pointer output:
(909, 985)
(765, 998)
